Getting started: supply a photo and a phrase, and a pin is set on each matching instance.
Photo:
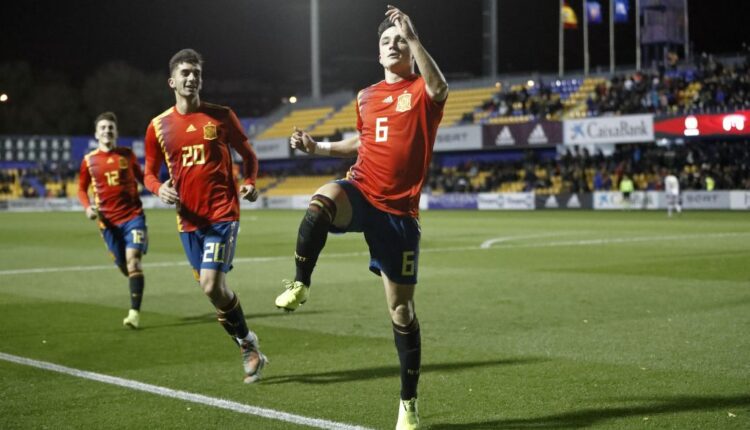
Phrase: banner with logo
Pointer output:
(272, 148)
(705, 200)
(704, 125)
(565, 201)
(505, 201)
(453, 201)
(541, 133)
(606, 130)
(614, 200)
(594, 11)
(739, 200)
(461, 137)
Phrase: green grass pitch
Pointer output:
(563, 320)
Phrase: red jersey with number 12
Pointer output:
(196, 148)
(397, 125)
(114, 174)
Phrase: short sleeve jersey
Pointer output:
(397, 125)
(115, 175)
(196, 149)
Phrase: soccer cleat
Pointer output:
(408, 416)
(253, 360)
(294, 295)
(132, 320)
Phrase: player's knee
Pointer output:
(321, 207)
(133, 266)
(210, 286)
(402, 315)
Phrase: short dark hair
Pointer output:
(186, 55)
(109, 116)
(385, 25)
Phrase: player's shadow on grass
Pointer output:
(211, 319)
(388, 371)
(589, 417)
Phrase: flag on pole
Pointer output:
(621, 11)
(594, 10)
(569, 18)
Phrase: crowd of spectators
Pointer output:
(708, 85)
(726, 163)
(45, 180)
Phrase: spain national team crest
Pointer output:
(123, 163)
(404, 102)
(209, 131)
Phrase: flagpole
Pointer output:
(612, 36)
(561, 43)
(585, 39)
(687, 33)
(638, 35)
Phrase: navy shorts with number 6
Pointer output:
(211, 247)
(393, 240)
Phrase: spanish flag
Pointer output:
(568, 17)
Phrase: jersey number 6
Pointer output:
(381, 130)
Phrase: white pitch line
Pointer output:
(184, 395)
(486, 245)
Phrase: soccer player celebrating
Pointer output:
(195, 139)
(397, 120)
(114, 172)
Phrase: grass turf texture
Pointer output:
(572, 320)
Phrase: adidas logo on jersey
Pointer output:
(190, 128)
(538, 136)
(110, 160)
(505, 138)
(388, 99)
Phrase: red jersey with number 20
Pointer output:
(397, 125)
(196, 149)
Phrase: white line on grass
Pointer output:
(488, 244)
(183, 395)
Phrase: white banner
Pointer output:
(705, 200)
(613, 200)
(459, 138)
(615, 129)
(739, 200)
(506, 201)
(271, 148)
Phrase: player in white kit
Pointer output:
(672, 191)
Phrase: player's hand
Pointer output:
(168, 193)
(402, 22)
(302, 141)
(92, 212)
(249, 193)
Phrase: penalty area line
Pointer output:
(183, 395)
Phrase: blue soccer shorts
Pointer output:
(393, 240)
(211, 247)
(130, 234)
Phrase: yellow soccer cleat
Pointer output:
(294, 295)
(132, 320)
(408, 416)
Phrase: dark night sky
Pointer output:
(267, 41)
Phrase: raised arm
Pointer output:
(435, 83)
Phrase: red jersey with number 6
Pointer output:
(196, 148)
(397, 125)
(114, 174)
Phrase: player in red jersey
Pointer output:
(397, 120)
(115, 173)
(195, 139)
